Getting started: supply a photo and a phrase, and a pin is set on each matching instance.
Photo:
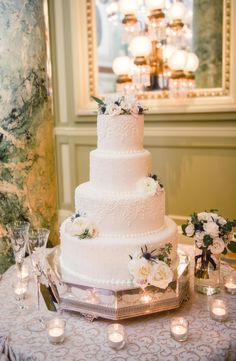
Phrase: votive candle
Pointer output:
(179, 329)
(230, 283)
(116, 336)
(56, 330)
(219, 310)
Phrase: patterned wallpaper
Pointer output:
(27, 173)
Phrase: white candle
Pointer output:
(219, 310)
(230, 287)
(56, 330)
(116, 336)
(179, 329)
(56, 335)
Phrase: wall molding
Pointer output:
(211, 132)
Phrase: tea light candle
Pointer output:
(116, 336)
(230, 283)
(23, 274)
(179, 329)
(56, 330)
(219, 310)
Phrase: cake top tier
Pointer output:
(120, 124)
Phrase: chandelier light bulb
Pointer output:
(192, 62)
(168, 51)
(140, 46)
(178, 60)
(177, 11)
(121, 65)
(128, 7)
(155, 4)
(112, 8)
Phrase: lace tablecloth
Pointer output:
(148, 338)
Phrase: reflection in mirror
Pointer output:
(205, 25)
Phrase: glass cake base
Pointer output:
(94, 302)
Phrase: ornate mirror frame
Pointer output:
(83, 37)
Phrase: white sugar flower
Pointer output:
(211, 228)
(147, 185)
(218, 246)
(79, 226)
(189, 230)
(139, 268)
(91, 229)
(113, 109)
(134, 109)
(161, 275)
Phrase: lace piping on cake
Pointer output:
(125, 152)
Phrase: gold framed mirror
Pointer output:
(88, 67)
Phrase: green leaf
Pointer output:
(97, 100)
(232, 246)
(224, 251)
(207, 240)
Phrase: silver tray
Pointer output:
(94, 302)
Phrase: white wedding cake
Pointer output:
(119, 236)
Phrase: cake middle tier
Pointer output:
(118, 172)
(120, 214)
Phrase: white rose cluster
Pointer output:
(206, 225)
(81, 227)
(146, 272)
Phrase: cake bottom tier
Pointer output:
(103, 261)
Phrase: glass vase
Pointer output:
(206, 271)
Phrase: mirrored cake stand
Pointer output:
(115, 304)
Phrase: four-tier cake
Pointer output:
(119, 236)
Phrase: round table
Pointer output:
(148, 338)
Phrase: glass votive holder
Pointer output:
(23, 273)
(219, 309)
(116, 336)
(56, 330)
(230, 283)
(179, 328)
(20, 288)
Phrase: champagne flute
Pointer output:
(18, 232)
(37, 246)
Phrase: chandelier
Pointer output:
(158, 36)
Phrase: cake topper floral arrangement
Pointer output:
(150, 185)
(80, 226)
(119, 105)
(151, 268)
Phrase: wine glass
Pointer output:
(37, 246)
(18, 232)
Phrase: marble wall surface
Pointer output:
(27, 170)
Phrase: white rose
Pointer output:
(213, 216)
(189, 230)
(113, 109)
(139, 268)
(134, 109)
(221, 221)
(79, 225)
(203, 216)
(147, 185)
(198, 237)
(218, 246)
(161, 275)
(211, 228)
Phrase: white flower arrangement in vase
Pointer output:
(211, 233)
(80, 226)
(149, 268)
